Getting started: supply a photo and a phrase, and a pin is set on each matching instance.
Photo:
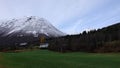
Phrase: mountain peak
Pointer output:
(33, 17)
(31, 24)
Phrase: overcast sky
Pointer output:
(69, 16)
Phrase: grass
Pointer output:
(49, 59)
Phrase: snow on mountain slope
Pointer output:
(32, 24)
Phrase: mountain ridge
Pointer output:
(30, 24)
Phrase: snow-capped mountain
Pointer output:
(27, 30)
(29, 25)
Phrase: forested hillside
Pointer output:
(106, 39)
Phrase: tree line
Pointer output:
(106, 39)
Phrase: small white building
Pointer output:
(45, 45)
(23, 44)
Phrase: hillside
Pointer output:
(106, 39)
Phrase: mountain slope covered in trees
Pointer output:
(106, 39)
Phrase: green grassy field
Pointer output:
(49, 59)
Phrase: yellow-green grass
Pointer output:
(49, 59)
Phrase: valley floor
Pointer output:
(49, 59)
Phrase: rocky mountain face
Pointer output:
(27, 29)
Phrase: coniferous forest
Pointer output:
(106, 39)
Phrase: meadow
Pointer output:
(50, 59)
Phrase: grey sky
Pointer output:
(70, 16)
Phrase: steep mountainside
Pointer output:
(33, 25)
(26, 30)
